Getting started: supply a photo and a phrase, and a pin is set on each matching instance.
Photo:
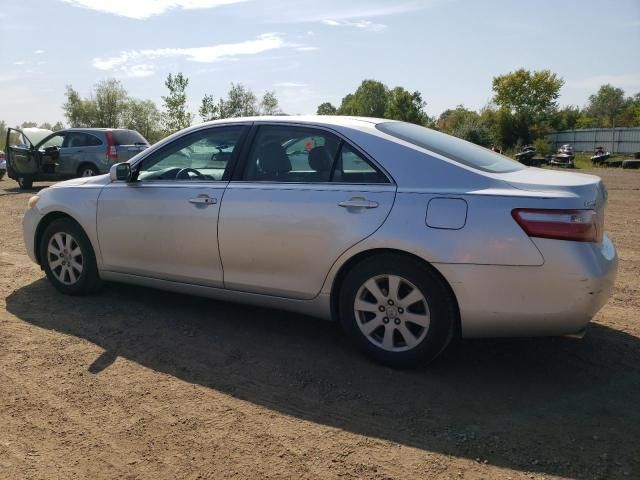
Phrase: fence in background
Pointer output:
(614, 140)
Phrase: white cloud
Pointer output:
(141, 9)
(306, 49)
(625, 81)
(135, 63)
(367, 25)
(38, 52)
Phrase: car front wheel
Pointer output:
(68, 258)
(397, 310)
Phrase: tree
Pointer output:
(566, 118)
(78, 111)
(326, 108)
(607, 104)
(28, 125)
(209, 110)
(451, 119)
(144, 116)
(530, 98)
(175, 116)
(630, 117)
(57, 126)
(269, 104)
(406, 106)
(111, 103)
(240, 102)
(369, 100)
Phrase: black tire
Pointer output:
(84, 170)
(442, 309)
(25, 183)
(88, 280)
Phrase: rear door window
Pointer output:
(80, 139)
(352, 167)
(292, 154)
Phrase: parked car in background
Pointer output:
(75, 152)
(405, 235)
(3, 164)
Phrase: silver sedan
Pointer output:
(404, 235)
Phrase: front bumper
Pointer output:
(30, 223)
(557, 298)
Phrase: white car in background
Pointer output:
(405, 235)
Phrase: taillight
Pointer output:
(112, 151)
(575, 225)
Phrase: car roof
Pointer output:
(327, 120)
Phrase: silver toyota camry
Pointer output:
(404, 235)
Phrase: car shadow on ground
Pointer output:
(556, 406)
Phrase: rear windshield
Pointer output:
(456, 149)
(128, 137)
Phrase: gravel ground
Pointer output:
(135, 383)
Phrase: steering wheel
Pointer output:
(185, 174)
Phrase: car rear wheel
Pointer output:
(25, 183)
(87, 171)
(68, 258)
(397, 310)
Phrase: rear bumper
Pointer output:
(557, 298)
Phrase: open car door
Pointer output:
(21, 156)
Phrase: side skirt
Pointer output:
(318, 307)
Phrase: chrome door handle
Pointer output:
(203, 200)
(358, 202)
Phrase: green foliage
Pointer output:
(369, 100)
(175, 116)
(143, 116)
(240, 102)
(606, 105)
(110, 106)
(80, 112)
(526, 93)
(542, 146)
(374, 99)
(530, 98)
(111, 103)
(269, 104)
(326, 108)
(208, 109)
(406, 106)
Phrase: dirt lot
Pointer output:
(135, 383)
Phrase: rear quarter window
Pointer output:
(128, 137)
(456, 149)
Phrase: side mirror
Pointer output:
(120, 172)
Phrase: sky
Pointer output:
(309, 51)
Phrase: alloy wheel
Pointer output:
(65, 258)
(392, 313)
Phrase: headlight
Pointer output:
(33, 201)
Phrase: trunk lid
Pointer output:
(588, 188)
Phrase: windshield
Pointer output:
(34, 134)
(454, 148)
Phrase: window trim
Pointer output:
(164, 147)
(236, 176)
